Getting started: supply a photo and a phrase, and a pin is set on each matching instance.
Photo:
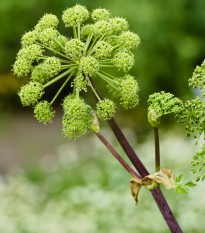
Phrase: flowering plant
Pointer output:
(47, 56)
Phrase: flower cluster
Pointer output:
(199, 164)
(198, 78)
(192, 114)
(162, 104)
(107, 42)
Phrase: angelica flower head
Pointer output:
(160, 104)
(44, 112)
(105, 109)
(48, 56)
(31, 93)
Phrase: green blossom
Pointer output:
(44, 112)
(46, 70)
(105, 109)
(77, 117)
(39, 75)
(164, 103)
(29, 38)
(199, 164)
(160, 104)
(124, 60)
(51, 66)
(47, 36)
(102, 50)
(21, 67)
(25, 57)
(102, 28)
(47, 21)
(74, 48)
(75, 15)
(100, 14)
(58, 43)
(119, 24)
(129, 40)
(198, 78)
(31, 93)
(128, 92)
(192, 115)
(93, 47)
(89, 65)
(30, 53)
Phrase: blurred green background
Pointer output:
(49, 184)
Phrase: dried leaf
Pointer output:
(135, 185)
(164, 176)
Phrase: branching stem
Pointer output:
(117, 156)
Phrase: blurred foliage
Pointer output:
(79, 189)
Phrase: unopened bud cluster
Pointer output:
(48, 56)
(160, 104)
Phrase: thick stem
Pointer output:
(157, 150)
(117, 156)
(156, 193)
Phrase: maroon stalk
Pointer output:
(156, 193)
(117, 156)
(157, 150)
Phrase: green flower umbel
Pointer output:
(44, 112)
(47, 57)
(77, 117)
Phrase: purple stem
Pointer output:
(156, 193)
(117, 156)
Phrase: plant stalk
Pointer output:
(156, 193)
(157, 150)
(117, 156)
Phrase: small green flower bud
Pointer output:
(31, 93)
(77, 117)
(21, 67)
(51, 66)
(77, 14)
(74, 48)
(47, 21)
(128, 90)
(38, 74)
(25, 58)
(102, 28)
(124, 60)
(89, 65)
(119, 24)
(47, 36)
(44, 112)
(198, 77)
(30, 53)
(105, 109)
(29, 38)
(100, 14)
(102, 50)
(80, 82)
(129, 40)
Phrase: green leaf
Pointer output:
(178, 178)
(180, 190)
(190, 184)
